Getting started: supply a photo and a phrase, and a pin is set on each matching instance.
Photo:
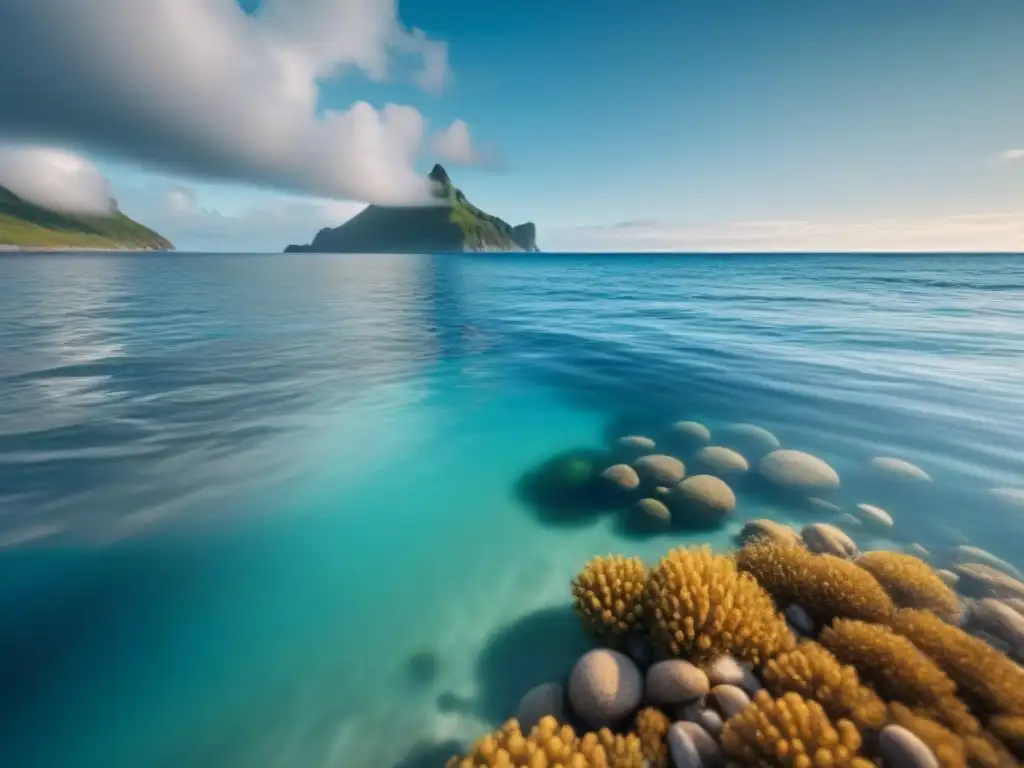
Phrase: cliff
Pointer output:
(452, 225)
(27, 225)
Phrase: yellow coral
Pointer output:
(652, 728)
(619, 751)
(898, 671)
(791, 731)
(947, 747)
(993, 683)
(911, 582)
(825, 586)
(699, 606)
(1010, 730)
(609, 594)
(816, 674)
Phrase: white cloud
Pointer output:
(199, 87)
(455, 145)
(1011, 155)
(55, 179)
(996, 231)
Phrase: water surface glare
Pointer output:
(262, 511)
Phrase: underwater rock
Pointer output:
(675, 681)
(655, 510)
(705, 498)
(998, 620)
(622, 476)
(729, 700)
(764, 528)
(726, 670)
(708, 751)
(658, 469)
(721, 460)
(663, 490)
(749, 439)
(948, 577)
(539, 701)
(825, 539)
(692, 432)
(898, 469)
(1016, 603)
(635, 444)
(689, 711)
(825, 506)
(900, 747)
(710, 721)
(605, 687)
(682, 749)
(874, 516)
(800, 620)
(964, 553)
(797, 470)
(977, 580)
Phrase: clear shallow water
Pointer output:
(263, 511)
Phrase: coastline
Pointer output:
(4, 248)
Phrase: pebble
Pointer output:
(1000, 621)
(707, 748)
(692, 430)
(660, 469)
(717, 458)
(964, 553)
(710, 721)
(948, 577)
(655, 509)
(623, 476)
(706, 496)
(769, 529)
(874, 516)
(825, 539)
(674, 682)
(540, 701)
(605, 687)
(726, 670)
(662, 490)
(800, 620)
(729, 700)
(900, 747)
(682, 748)
(688, 712)
(750, 439)
(977, 580)
(898, 469)
(636, 443)
(798, 470)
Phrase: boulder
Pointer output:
(658, 469)
(605, 687)
(899, 747)
(655, 510)
(749, 439)
(897, 469)
(825, 539)
(796, 470)
(674, 681)
(704, 498)
(720, 460)
(622, 476)
(874, 517)
(692, 432)
(977, 580)
(763, 528)
(540, 701)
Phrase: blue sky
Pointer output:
(672, 123)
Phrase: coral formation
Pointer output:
(947, 747)
(1010, 730)
(609, 595)
(613, 750)
(699, 606)
(791, 731)
(911, 582)
(814, 673)
(898, 671)
(652, 728)
(824, 585)
(991, 682)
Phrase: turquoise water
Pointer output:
(268, 511)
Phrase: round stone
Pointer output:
(705, 496)
(622, 476)
(727, 671)
(636, 443)
(898, 469)
(749, 439)
(660, 469)
(721, 460)
(825, 539)
(763, 528)
(797, 470)
(977, 580)
(540, 701)
(874, 516)
(900, 747)
(964, 553)
(692, 431)
(605, 687)
(824, 505)
(1000, 621)
(710, 721)
(729, 700)
(689, 712)
(663, 490)
(707, 748)
(800, 619)
(655, 510)
(675, 681)
(1015, 603)
(682, 749)
(948, 577)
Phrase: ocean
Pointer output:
(263, 511)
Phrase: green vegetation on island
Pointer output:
(26, 225)
(454, 224)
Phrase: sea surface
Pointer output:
(268, 511)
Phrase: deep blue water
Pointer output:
(266, 511)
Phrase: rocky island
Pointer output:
(27, 226)
(452, 225)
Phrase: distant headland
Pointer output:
(453, 225)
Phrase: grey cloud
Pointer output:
(55, 179)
